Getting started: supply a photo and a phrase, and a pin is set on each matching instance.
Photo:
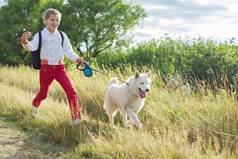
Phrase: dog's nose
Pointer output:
(147, 90)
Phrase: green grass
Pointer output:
(175, 125)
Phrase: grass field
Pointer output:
(175, 125)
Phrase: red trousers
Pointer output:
(47, 74)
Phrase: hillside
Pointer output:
(175, 125)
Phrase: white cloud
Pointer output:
(207, 18)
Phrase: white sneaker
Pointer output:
(77, 121)
(34, 111)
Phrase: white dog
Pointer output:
(128, 97)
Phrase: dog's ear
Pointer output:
(137, 74)
(148, 74)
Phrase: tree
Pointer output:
(99, 24)
(15, 18)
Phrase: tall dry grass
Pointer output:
(175, 125)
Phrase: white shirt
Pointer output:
(51, 48)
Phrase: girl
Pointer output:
(52, 64)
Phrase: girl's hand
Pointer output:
(25, 36)
(81, 62)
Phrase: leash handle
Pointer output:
(87, 70)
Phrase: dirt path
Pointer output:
(11, 142)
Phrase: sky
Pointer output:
(212, 19)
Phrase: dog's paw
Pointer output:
(113, 126)
(128, 125)
(130, 122)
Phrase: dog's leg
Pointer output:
(111, 120)
(130, 122)
(110, 110)
(111, 113)
(125, 120)
(134, 117)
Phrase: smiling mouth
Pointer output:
(142, 94)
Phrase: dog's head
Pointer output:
(140, 84)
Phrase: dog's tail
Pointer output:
(113, 80)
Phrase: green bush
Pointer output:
(197, 58)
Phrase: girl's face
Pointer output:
(52, 23)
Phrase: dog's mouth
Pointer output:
(142, 94)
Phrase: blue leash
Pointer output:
(87, 70)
